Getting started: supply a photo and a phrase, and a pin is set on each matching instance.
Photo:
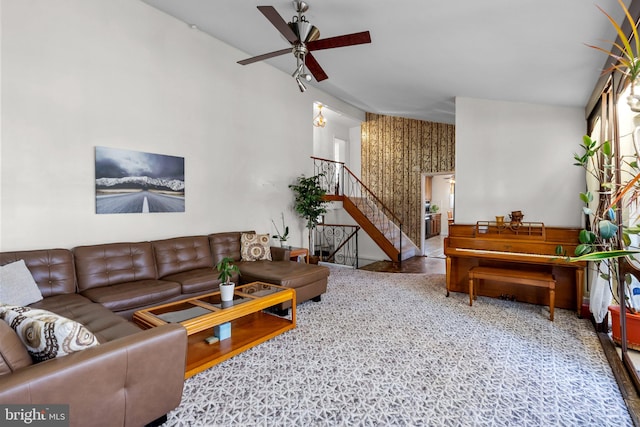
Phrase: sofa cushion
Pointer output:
(181, 254)
(13, 354)
(47, 335)
(114, 263)
(198, 281)
(17, 286)
(132, 295)
(285, 273)
(225, 245)
(102, 322)
(52, 269)
(255, 247)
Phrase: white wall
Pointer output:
(516, 156)
(83, 73)
(355, 151)
(323, 138)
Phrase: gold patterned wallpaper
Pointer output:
(395, 152)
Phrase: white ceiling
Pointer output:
(424, 53)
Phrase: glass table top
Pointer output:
(187, 310)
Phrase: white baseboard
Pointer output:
(330, 264)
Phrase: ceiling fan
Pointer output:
(304, 38)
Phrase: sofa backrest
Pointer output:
(113, 263)
(226, 245)
(52, 269)
(181, 254)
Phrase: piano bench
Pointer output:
(521, 277)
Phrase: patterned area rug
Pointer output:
(387, 349)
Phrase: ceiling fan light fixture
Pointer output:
(319, 121)
(301, 85)
(298, 71)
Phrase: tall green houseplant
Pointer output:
(309, 201)
(606, 240)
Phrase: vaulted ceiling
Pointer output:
(424, 53)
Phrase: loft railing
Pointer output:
(336, 179)
(337, 243)
(331, 174)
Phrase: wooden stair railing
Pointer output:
(375, 218)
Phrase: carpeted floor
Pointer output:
(391, 350)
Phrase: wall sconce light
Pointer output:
(319, 121)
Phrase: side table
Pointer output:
(296, 252)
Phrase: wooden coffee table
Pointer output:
(250, 323)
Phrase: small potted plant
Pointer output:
(282, 237)
(435, 208)
(227, 269)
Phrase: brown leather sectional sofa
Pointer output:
(134, 376)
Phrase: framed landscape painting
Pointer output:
(136, 182)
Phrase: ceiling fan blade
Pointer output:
(340, 41)
(264, 56)
(315, 68)
(281, 25)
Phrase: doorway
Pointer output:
(438, 199)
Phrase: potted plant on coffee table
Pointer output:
(227, 268)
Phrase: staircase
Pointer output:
(384, 228)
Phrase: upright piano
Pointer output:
(530, 246)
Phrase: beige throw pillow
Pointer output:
(255, 247)
(17, 286)
(47, 335)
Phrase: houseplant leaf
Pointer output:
(607, 229)
(582, 249)
(586, 197)
(602, 255)
(586, 237)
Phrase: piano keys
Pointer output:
(532, 247)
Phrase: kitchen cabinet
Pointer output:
(434, 228)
